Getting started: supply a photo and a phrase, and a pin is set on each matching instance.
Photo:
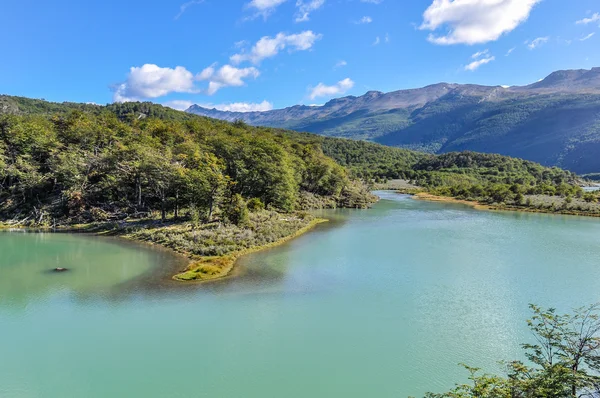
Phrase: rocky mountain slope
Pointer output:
(555, 121)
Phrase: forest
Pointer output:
(92, 163)
(74, 163)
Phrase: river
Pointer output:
(385, 302)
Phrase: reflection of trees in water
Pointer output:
(250, 276)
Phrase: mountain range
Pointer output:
(555, 121)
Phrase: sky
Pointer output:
(245, 55)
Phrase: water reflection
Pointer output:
(97, 267)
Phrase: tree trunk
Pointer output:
(138, 188)
(163, 209)
(210, 209)
(177, 204)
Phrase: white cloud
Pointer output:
(372, 1)
(340, 64)
(242, 107)
(305, 7)
(226, 76)
(473, 66)
(180, 105)
(268, 47)
(341, 87)
(587, 37)
(264, 8)
(475, 21)
(594, 18)
(378, 40)
(152, 81)
(480, 54)
(535, 43)
(185, 6)
(510, 51)
(364, 20)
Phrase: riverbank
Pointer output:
(555, 206)
(212, 248)
(211, 268)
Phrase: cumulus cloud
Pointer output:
(264, 8)
(226, 76)
(377, 41)
(268, 47)
(594, 18)
(305, 7)
(535, 43)
(341, 87)
(474, 21)
(152, 81)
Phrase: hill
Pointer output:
(87, 163)
(555, 122)
(79, 162)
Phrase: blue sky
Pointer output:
(258, 54)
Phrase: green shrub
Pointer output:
(237, 211)
(255, 205)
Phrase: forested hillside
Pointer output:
(78, 163)
(87, 162)
(555, 122)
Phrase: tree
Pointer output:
(565, 358)
(237, 211)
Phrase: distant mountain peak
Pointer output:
(581, 81)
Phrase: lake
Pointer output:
(384, 302)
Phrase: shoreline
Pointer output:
(486, 207)
(199, 269)
(214, 268)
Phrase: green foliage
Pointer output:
(565, 361)
(255, 205)
(492, 178)
(136, 159)
(373, 161)
(236, 212)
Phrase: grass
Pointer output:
(210, 268)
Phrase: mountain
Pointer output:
(555, 122)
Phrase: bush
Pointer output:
(255, 205)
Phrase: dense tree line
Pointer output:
(493, 178)
(94, 163)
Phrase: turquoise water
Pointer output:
(383, 303)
